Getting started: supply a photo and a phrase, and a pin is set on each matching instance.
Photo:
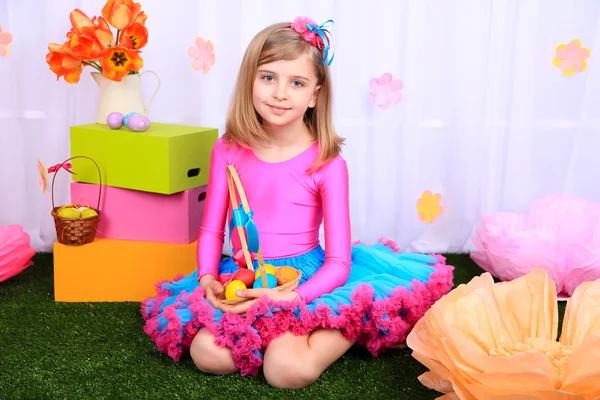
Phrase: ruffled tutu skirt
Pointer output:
(386, 293)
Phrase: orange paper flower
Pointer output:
(5, 39)
(487, 340)
(42, 180)
(117, 61)
(428, 206)
(122, 13)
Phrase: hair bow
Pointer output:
(321, 31)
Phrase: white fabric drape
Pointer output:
(485, 118)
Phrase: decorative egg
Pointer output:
(233, 287)
(138, 123)
(126, 117)
(271, 282)
(114, 120)
(286, 274)
(269, 269)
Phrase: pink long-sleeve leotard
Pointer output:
(289, 206)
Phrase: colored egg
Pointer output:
(138, 123)
(271, 282)
(246, 276)
(269, 269)
(233, 287)
(126, 117)
(114, 120)
(286, 274)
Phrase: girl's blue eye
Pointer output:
(267, 78)
(297, 83)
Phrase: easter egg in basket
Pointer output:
(269, 269)
(285, 275)
(233, 287)
(244, 275)
(271, 282)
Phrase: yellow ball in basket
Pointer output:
(69, 212)
(233, 287)
(88, 213)
(269, 269)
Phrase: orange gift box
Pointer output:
(111, 270)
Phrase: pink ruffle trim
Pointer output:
(389, 320)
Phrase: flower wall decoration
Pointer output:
(570, 58)
(487, 340)
(428, 206)
(5, 39)
(385, 91)
(202, 54)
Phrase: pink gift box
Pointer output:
(135, 215)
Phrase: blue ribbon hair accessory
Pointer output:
(317, 35)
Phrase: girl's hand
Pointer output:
(271, 293)
(256, 294)
(212, 289)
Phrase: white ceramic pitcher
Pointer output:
(124, 97)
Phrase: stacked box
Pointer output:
(152, 190)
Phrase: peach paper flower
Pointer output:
(5, 39)
(428, 206)
(202, 54)
(571, 57)
(487, 340)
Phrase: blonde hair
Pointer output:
(274, 43)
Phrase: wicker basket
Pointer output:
(234, 182)
(76, 231)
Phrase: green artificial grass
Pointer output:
(70, 351)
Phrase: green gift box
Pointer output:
(166, 158)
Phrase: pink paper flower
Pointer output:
(571, 57)
(202, 54)
(300, 26)
(385, 90)
(5, 39)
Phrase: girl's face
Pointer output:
(284, 90)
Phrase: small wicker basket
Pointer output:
(76, 231)
(234, 182)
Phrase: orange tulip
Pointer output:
(87, 37)
(134, 36)
(122, 13)
(63, 64)
(491, 341)
(117, 62)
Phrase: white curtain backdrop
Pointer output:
(485, 119)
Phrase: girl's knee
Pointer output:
(285, 372)
(209, 357)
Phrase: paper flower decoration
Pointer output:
(42, 179)
(487, 340)
(202, 54)
(559, 233)
(5, 39)
(15, 251)
(570, 58)
(385, 91)
(428, 206)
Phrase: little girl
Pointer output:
(280, 139)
